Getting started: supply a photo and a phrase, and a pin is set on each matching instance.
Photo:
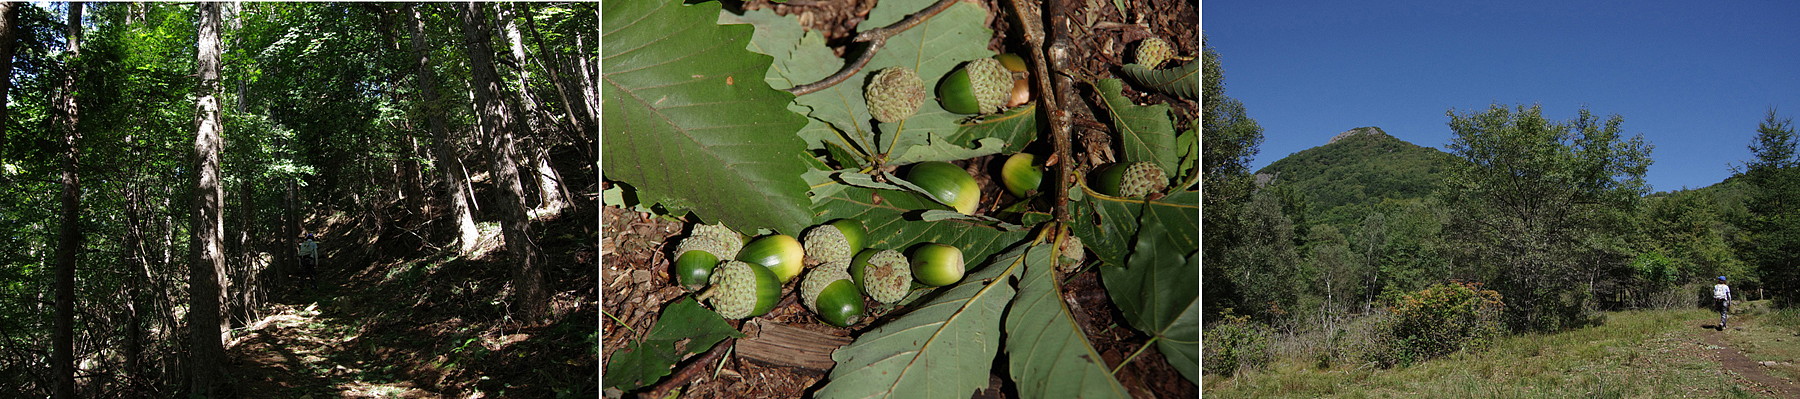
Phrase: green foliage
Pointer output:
(1439, 320)
(1264, 263)
(668, 93)
(1048, 354)
(1174, 81)
(1147, 133)
(1348, 178)
(943, 348)
(1773, 220)
(840, 125)
(1234, 344)
(1158, 289)
(1228, 140)
(1544, 204)
(643, 363)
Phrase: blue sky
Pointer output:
(1694, 78)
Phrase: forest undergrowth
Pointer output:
(393, 316)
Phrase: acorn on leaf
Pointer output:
(980, 87)
(947, 183)
(882, 273)
(937, 264)
(1134, 179)
(894, 94)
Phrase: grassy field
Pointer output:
(1635, 354)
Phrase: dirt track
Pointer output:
(1737, 363)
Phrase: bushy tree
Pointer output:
(1774, 242)
(1541, 206)
(1228, 142)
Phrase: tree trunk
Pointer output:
(549, 190)
(69, 234)
(206, 269)
(412, 183)
(444, 147)
(9, 27)
(496, 122)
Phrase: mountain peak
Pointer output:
(1368, 130)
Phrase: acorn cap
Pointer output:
(883, 274)
(980, 87)
(818, 278)
(894, 94)
(730, 242)
(1152, 52)
(1134, 179)
(743, 290)
(834, 242)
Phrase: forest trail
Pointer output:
(1737, 363)
(392, 317)
(307, 348)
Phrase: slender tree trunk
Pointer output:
(9, 27)
(528, 281)
(290, 230)
(549, 190)
(444, 146)
(412, 184)
(69, 236)
(576, 119)
(207, 266)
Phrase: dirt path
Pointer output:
(1744, 367)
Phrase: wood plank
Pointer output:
(784, 345)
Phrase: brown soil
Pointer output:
(1746, 369)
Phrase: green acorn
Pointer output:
(1153, 51)
(1131, 180)
(894, 94)
(948, 183)
(830, 292)
(1022, 174)
(882, 273)
(780, 253)
(695, 258)
(981, 87)
(742, 290)
(835, 242)
(936, 264)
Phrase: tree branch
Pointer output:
(1052, 103)
(875, 39)
(687, 373)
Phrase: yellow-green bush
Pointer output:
(1235, 343)
(1436, 321)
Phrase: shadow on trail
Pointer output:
(395, 317)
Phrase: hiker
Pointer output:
(309, 258)
(1722, 301)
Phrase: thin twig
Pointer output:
(687, 372)
(1052, 103)
(874, 39)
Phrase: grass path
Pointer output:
(1635, 354)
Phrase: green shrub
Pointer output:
(1235, 343)
(1436, 321)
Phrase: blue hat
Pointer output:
(1721, 278)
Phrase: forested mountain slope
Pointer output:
(1356, 170)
